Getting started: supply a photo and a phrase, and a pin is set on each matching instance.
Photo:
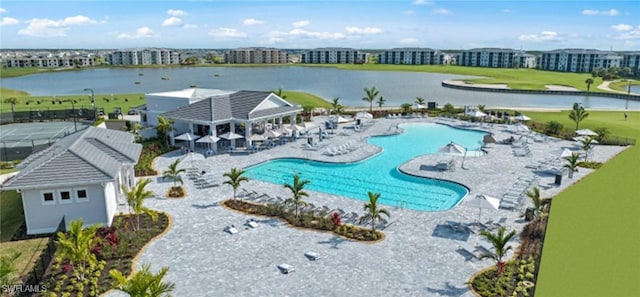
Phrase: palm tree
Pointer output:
(534, 195)
(420, 102)
(13, 101)
(280, 93)
(135, 198)
(603, 132)
(336, 107)
(499, 242)
(589, 81)
(163, 128)
(371, 95)
(577, 114)
(143, 283)
(481, 107)
(173, 173)
(381, 102)
(406, 107)
(587, 144)
(297, 193)
(572, 164)
(76, 246)
(235, 178)
(373, 213)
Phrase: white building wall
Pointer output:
(157, 105)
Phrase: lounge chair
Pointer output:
(468, 249)
(251, 223)
(231, 229)
(312, 256)
(485, 245)
(286, 268)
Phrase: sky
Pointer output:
(181, 24)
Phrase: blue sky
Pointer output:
(530, 25)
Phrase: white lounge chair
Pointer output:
(286, 268)
(312, 256)
(231, 229)
(252, 223)
(468, 249)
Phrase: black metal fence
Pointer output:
(19, 149)
(37, 273)
(47, 114)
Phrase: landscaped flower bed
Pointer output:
(150, 150)
(119, 246)
(306, 219)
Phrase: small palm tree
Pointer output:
(371, 95)
(372, 212)
(538, 209)
(336, 107)
(235, 178)
(381, 102)
(76, 245)
(173, 173)
(577, 114)
(603, 132)
(589, 81)
(406, 107)
(587, 144)
(572, 163)
(143, 283)
(13, 101)
(163, 128)
(499, 242)
(297, 192)
(280, 93)
(135, 198)
(481, 107)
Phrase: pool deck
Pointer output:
(420, 256)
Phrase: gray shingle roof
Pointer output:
(91, 155)
(238, 105)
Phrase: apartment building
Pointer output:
(144, 57)
(632, 61)
(412, 56)
(256, 56)
(492, 57)
(579, 60)
(333, 56)
(48, 61)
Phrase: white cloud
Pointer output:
(409, 12)
(542, 37)
(365, 30)
(316, 35)
(2, 10)
(276, 36)
(8, 21)
(251, 22)
(632, 33)
(421, 2)
(172, 21)
(190, 26)
(227, 33)
(52, 28)
(409, 40)
(176, 12)
(622, 27)
(142, 32)
(442, 11)
(300, 24)
(610, 12)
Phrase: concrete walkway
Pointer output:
(420, 256)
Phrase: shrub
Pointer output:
(553, 128)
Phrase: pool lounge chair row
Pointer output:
(446, 165)
(342, 149)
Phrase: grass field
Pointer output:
(11, 216)
(306, 99)
(592, 245)
(30, 250)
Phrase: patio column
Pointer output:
(247, 135)
(232, 128)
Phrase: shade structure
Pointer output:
(586, 132)
(338, 119)
(257, 137)
(481, 202)
(208, 139)
(563, 152)
(364, 115)
(521, 117)
(187, 137)
(475, 113)
(231, 136)
(455, 149)
(273, 134)
(419, 106)
(584, 138)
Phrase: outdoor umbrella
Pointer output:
(188, 137)
(273, 134)
(586, 132)
(583, 138)
(231, 136)
(209, 139)
(475, 113)
(563, 153)
(521, 117)
(455, 149)
(257, 137)
(481, 202)
(364, 115)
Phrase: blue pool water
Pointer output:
(379, 173)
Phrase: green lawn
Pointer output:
(306, 99)
(592, 247)
(613, 120)
(11, 216)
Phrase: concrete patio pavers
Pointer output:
(419, 257)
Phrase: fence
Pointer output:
(48, 114)
(36, 275)
(20, 149)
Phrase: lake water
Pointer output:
(396, 87)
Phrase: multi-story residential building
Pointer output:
(490, 57)
(631, 60)
(144, 57)
(333, 56)
(256, 56)
(48, 61)
(412, 56)
(579, 60)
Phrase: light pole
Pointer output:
(73, 106)
(93, 102)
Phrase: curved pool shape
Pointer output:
(379, 174)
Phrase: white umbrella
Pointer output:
(453, 148)
(364, 115)
(584, 138)
(273, 134)
(563, 153)
(586, 132)
(521, 117)
(520, 128)
(257, 137)
(475, 113)
(208, 139)
(309, 125)
(231, 136)
(285, 130)
(483, 201)
(187, 137)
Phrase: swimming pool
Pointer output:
(379, 174)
